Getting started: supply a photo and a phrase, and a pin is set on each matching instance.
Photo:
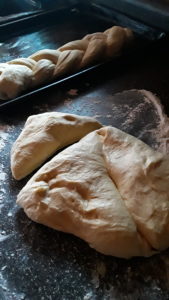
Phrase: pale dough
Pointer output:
(109, 189)
(45, 65)
(43, 135)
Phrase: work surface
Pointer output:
(39, 263)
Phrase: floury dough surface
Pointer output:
(109, 189)
(43, 135)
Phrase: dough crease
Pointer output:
(110, 189)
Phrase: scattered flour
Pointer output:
(89, 296)
(130, 115)
(4, 236)
(162, 131)
(133, 114)
(5, 131)
(97, 116)
(68, 103)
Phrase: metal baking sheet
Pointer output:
(59, 32)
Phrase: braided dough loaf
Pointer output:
(43, 135)
(22, 73)
(109, 189)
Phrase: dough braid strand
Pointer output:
(45, 65)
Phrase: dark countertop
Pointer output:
(37, 262)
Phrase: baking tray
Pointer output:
(15, 17)
(38, 263)
(44, 24)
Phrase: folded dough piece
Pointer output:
(109, 189)
(43, 135)
(142, 177)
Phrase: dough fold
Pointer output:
(109, 189)
(43, 135)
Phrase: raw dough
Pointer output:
(43, 66)
(43, 135)
(109, 189)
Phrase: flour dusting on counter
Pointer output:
(5, 131)
(162, 130)
(4, 138)
(143, 111)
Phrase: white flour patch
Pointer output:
(162, 131)
(2, 174)
(133, 114)
(4, 237)
(5, 131)
(10, 214)
(3, 139)
(3, 282)
(89, 296)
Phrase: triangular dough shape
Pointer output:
(109, 189)
(43, 135)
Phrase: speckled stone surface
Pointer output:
(38, 263)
